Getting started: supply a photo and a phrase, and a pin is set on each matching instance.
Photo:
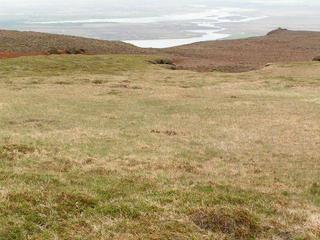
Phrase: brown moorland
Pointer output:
(242, 55)
(28, 43)
(280, 45)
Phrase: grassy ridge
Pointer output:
(64, 65)
(111, 147)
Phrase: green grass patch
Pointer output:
(73, 64)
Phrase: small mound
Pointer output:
(162, 61)
(276, 31)
(237, 223)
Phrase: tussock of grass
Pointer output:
(315, 189)
(236, 223)
(315, 193)
(12, 151)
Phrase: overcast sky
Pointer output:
(55, 4)
(32, 15)
(11, 10)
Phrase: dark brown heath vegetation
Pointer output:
(34, 42)
(280, 45)
(73, 50)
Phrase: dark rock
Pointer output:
(316, 59)
(278, 30)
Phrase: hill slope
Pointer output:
(34, 42)
(248, 54)
(111, 147)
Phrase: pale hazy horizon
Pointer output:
(150, 23)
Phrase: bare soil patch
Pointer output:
(19, 54)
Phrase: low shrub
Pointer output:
(162, 61)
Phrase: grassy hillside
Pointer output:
(112, 147)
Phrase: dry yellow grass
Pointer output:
(123, 149)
